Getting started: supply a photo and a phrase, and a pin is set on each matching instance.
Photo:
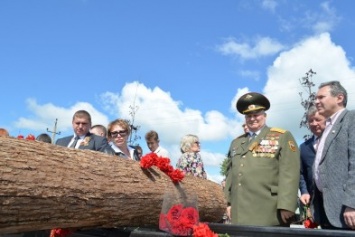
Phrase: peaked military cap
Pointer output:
(251, 102)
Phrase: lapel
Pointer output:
(67, 140)
(244, 142)
(86, 142)
(333, 133)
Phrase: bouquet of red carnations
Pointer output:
(179, 213)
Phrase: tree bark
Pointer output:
(44, 186)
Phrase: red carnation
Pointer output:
(176, 175)
(180, 230)
(163, 222)
(189, 217)
(174, 213)
(148, 160)
(309, 224)
(203, 230)
(60, 232)
(164, 165)
(30, 137)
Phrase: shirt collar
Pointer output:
(331, 120)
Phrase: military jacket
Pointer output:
(262, 177)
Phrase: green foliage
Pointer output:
(223, 235)
(224, 166)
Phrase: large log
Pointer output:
(44, 186)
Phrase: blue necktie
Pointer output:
(252, 137)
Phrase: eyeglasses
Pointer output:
(122, 133)
(198, 143)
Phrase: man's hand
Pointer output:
(305, 198)
(349, 217)
(286, 216)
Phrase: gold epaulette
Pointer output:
(243, 135)
(279, 130)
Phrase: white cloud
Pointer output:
(324, 19)
(263, 46)
(45, 116)
(238, 94)
(157, 108)
(215, 178)
(282, 88)
(269, 5)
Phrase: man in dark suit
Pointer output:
(263, 174)
(82, 138)
(334, 165)
(316, 123)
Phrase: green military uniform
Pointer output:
(263, 177)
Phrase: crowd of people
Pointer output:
(113, 140)
(266, 168)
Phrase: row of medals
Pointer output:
(266, 148)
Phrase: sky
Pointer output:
(178, 66)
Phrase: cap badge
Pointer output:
(250, 107)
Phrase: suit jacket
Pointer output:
(307, 159)
(92, 142)
(263, 177)
(337, 170)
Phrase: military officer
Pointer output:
(262, 179)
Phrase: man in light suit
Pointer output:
(82, 138)
(316, 123)
(334, 165)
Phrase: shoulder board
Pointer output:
(279, 130)
(243, 135)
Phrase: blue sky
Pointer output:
(180, 64)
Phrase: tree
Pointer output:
(307, 83)
(224, 166)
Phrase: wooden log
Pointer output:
(44, 186)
